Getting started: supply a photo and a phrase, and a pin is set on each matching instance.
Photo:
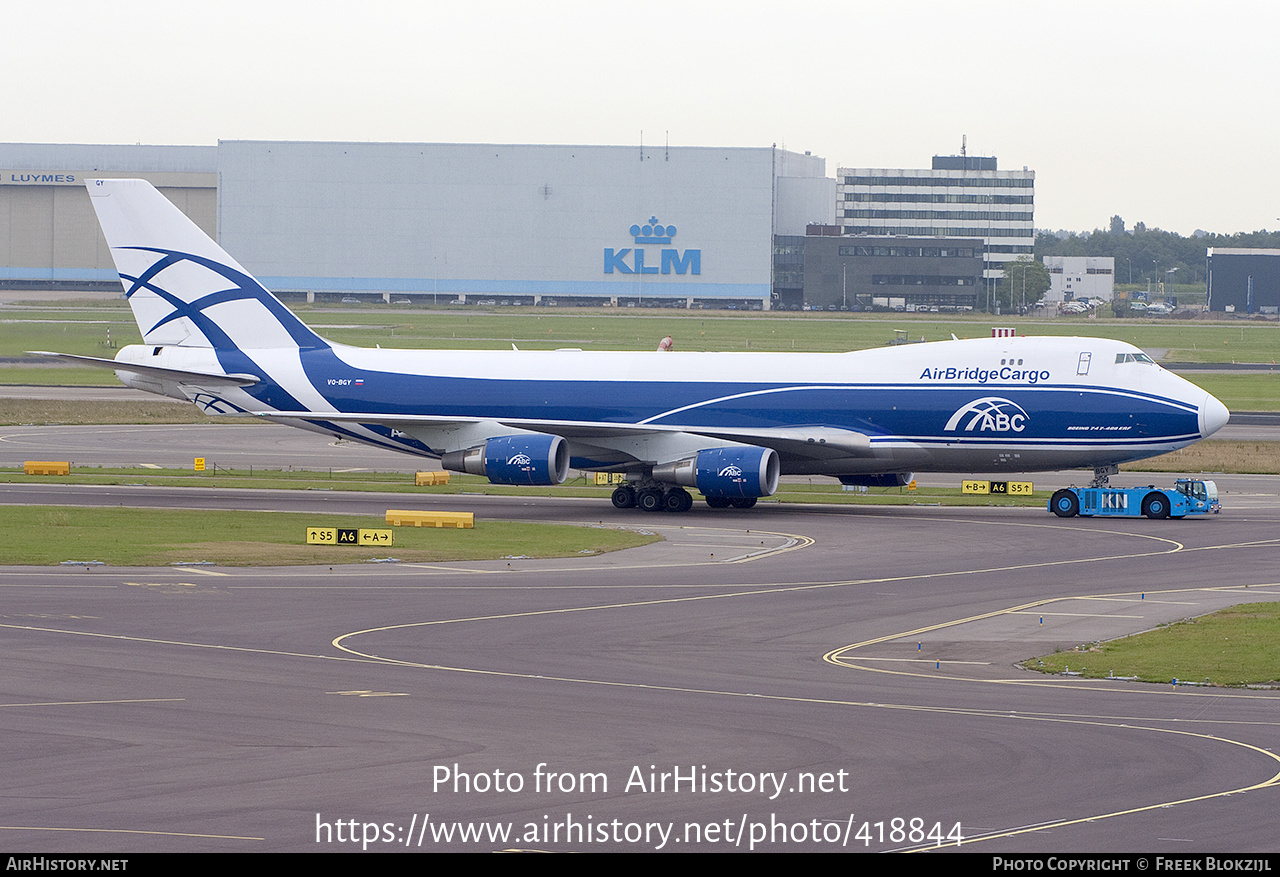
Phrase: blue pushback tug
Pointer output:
(1187, 497)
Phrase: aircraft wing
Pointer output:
(643, 442)
(816, 443)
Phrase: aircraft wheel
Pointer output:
(718, 502)
(1156, 505)
(677, 500)
(624, 498)
(649, 500)
(1065, 504)
(743, 502)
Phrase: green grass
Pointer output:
(1252, 458)
(1242, 392)
(300, 479)
(82, 330)
(834, 494)
(43, 535)
(57, 375)
(27, 412)
(71, 331)
(1237, 646)
(821, 490)
(1204, 457)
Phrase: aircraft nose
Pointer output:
(1213, 415)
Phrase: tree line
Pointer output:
(1150, 254)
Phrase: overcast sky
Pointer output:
(1163, 112)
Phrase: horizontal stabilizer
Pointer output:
(173, 374)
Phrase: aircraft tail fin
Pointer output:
(185, 289)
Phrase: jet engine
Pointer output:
(725, 472)
(514, 459)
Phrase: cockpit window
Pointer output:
(1134, 357)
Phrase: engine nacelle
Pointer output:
(514, 459)
(891, 479)
(727, 472)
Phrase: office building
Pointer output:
(1077, 278)
(961, 196)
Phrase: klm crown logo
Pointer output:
(652, 232)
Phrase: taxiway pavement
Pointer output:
(861, 659)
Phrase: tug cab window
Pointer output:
(1193, 488)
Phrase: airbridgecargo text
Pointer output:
(983, 375)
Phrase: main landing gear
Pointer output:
(655, 496)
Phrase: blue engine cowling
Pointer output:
(727, 472)
(514, 459)
(892, 479)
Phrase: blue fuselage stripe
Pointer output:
(1073, 415)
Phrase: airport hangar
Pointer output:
(1244, 280)
(510, 224)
